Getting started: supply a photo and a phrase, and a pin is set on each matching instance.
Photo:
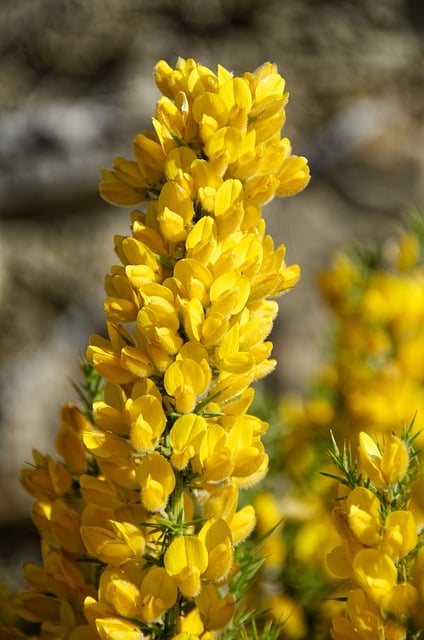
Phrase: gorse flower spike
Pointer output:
(380, 543)
(140, 519)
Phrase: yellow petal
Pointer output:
(375, 572)
(118, 629)
(36, 607)
(212, 105)
(215, 611)
(225, 144)
(117, 192)
(186, 558)
(293, 176)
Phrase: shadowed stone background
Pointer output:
(76, 85)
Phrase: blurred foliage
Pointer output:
(372, 381)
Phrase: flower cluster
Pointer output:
(376, 299)
(371, 381)
(380, 542)
(379, 302)
(140, 519)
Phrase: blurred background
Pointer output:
(76, 85)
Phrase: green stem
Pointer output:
(176, 503)
(176, 515)
(164, 261)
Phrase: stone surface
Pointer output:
(76, 84)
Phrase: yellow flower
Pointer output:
(228, 355)
(375, 572)
(118, 190)
(287, 612)
(214, 460)
(400, 536)
(222, 503)
(230, 118)
(135, 594)
(250, 460)
(147, 422)
(105, 356)
(68, 443)
(174, 211)
(117, 629)
(114, 545)
(242, 523)
(191, 280)
(157, 481)
(185, 380)
(216, 536)
(364, 515)
(101, 492)
(229, 294)
(49, 478)
(191, 623)
(107, 445)
(158, 593)
(384, 467)
(59, 576)
(339, 562)
(118, 590)
(184, 438)
(36, 607)
(122, 304)
(215, 610)
(363, 620)
(94, 609)
(269, 516)
(65, 526)
(187, 559)
(121, 473)
(168, 438)
(401, 600)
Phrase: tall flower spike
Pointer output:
(142, 514)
